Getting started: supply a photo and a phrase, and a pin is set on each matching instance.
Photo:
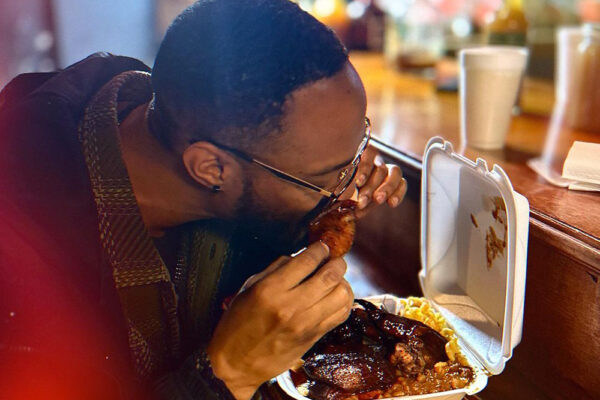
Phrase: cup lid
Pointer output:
(474, 233)
(494, 57)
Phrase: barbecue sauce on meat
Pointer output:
(375, 354)
(336, 228)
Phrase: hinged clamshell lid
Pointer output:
(474, 232)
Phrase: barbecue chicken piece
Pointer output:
(336, 228)
(364, 355)
(352, 372)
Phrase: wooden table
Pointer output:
(406, 111)
(559, 356)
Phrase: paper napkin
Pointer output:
(582, 166)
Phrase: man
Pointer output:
(133, 205)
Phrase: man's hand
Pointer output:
(378, 182)
(274, 322)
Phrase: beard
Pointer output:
(281, 232)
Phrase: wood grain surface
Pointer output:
(406, 111)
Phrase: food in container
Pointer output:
(475, 285)
(381, 354)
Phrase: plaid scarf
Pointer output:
(144, 285)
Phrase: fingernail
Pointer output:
(394, 201)
(361, 179)
(324, 245)
(380, 197)
(362, 201)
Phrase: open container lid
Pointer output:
(474, 233)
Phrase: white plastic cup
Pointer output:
(490, 79)
(568, 39)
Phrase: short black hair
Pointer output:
(229, 65)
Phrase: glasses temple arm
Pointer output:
(293, 179)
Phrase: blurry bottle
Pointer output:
(333, 14)
(586, 107)
(509, 25)
(375, 22)
(415, 38)
(367, 27)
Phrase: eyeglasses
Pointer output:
(345, 177)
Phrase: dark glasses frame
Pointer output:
(343, 183)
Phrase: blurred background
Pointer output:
(414, 35)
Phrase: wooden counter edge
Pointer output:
(563, 237)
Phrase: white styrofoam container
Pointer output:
(483, 305)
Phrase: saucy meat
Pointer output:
(375, 354)
(336, 228)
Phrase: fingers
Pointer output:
(365, 167)
(257, 277)
(299, 267)
(385, 184)
(389, 185)
(393, 200)
(334, 319)
(325, 280)
(378, 175)
(328, 313)
(398, 195)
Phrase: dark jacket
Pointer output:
(62, 332)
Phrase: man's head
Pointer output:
(265, 78)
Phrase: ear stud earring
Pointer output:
(215, 188)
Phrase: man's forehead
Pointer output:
(324, 121)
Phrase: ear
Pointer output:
(204, 163)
